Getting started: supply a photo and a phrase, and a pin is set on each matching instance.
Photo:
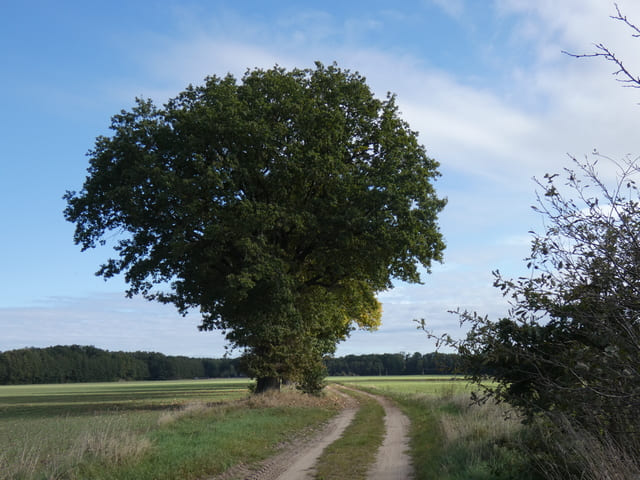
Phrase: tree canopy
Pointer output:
(278, 206)
(75, 363)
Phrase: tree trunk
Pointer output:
(266, 384)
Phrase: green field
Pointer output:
(74, 399)
(138, 430)
(198, 428)
(436, 385)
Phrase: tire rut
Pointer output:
(392, 460)
(298, 460)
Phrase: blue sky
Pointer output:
(484, 82)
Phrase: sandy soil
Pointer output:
(393, 462)
(305, 461)
(298, 459)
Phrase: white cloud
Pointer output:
(108, 321)
(553, 105)
(575, 26)
(453, 8)
(490, 141)
(498, 138)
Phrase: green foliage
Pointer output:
(569, 349)
(394, 364)
(68, 364)
(278, 206)
(312, 380)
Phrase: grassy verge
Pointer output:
(450, 439)
(208, 442)
(454, 440)
(351, 456)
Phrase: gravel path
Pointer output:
(392, 461)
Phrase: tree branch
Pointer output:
(627, 77)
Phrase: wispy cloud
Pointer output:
(497, 136)
(491, 132)
(105, 320)
(453, 8)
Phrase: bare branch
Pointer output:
(625, 75)
(624, 19)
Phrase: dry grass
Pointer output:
(22, 466)
(571, 453)
(189, 409)
(285, 398)
(290, 397)
(576, 453)
(475, 423)
(110, 445)
(53, 452)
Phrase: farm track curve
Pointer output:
(297, 460)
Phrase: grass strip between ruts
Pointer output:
(351, 456)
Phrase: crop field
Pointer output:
(167, 429)
(198, 428)
(47, 430)
(430, 385)
(81, 398)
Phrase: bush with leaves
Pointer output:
(569, 348)
(567, 355)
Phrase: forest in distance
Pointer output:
(71, 364)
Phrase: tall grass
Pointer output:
(52, 447)
(562, 452)
(453, 439)
(145, 431)
(479, 441)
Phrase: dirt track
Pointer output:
(305, 461)
(297, 461)
(393, 462)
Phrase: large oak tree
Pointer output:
(278, 206)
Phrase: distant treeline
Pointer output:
(70, 364)
(393, 364)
